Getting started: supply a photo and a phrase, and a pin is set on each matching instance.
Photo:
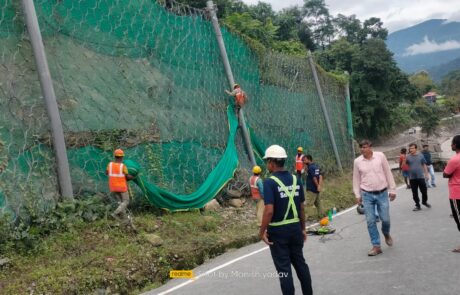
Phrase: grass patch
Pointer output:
(104, 255)
(337, 192)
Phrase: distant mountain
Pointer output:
(426, 46)
(438, 72)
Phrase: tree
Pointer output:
(422, 81)
(373, 28)
(291, 27)
(319, 20)
(450, 86)
(224, 7)
(348, 27)
(339, 56)
(262, 11)
(427, 116)
(290, 47)
(377, 85)
(378, 88)
(288, 21)
(246, 24)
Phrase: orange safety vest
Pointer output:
(240, 97)
(299, 166)
(117, 179)
(255, 193)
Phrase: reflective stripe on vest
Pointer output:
(117, 179)
(255, 193)
(299, 166)
(291, 204)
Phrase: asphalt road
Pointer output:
(419, 263)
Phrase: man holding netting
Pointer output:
(118, 182)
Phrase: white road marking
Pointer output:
(244, 256)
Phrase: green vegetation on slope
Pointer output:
(79, 255)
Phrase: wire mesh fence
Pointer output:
(147, 77)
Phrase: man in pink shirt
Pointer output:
(373, 185)
(452, 171)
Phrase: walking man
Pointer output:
(373, 185)
(283, 223)
(429, 165)
(257, 192)
(417, 175)
(118, 185)
(314, 181)
(452, 171)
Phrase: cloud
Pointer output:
(455, 16)
(395, 14)
(428, 46)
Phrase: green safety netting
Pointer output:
(147, 76)
(218, 177)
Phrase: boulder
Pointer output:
(212, 205)
(153, 239)
(237, 203)
(4, 262)
(234, 194)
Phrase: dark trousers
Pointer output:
(455, 206)
(415, 184)
(299, 177)
(286, 250)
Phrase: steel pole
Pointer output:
(349, 114)
(324, 109)
(49, 97)
(231, 80)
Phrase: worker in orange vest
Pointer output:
(240, 96)
(257, 192)
(118, 182)
(299, 165)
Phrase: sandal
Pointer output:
(374, 251)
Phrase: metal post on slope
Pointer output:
(349, 114)
(228, 71)
(324, 109)
(49, 97)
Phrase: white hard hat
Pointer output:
(275, 152)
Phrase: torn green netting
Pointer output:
(218, 177)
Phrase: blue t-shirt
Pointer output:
(313, 171)
(427, 156)
(416, 163)
(273, 194)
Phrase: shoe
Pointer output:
(417, 208)
(377, 219)
(408, 187)
(426, 205)
(374, 251)
(433, 185)
(388, 240)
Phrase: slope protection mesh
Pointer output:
(147, 77)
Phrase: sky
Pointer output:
(395, 14)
